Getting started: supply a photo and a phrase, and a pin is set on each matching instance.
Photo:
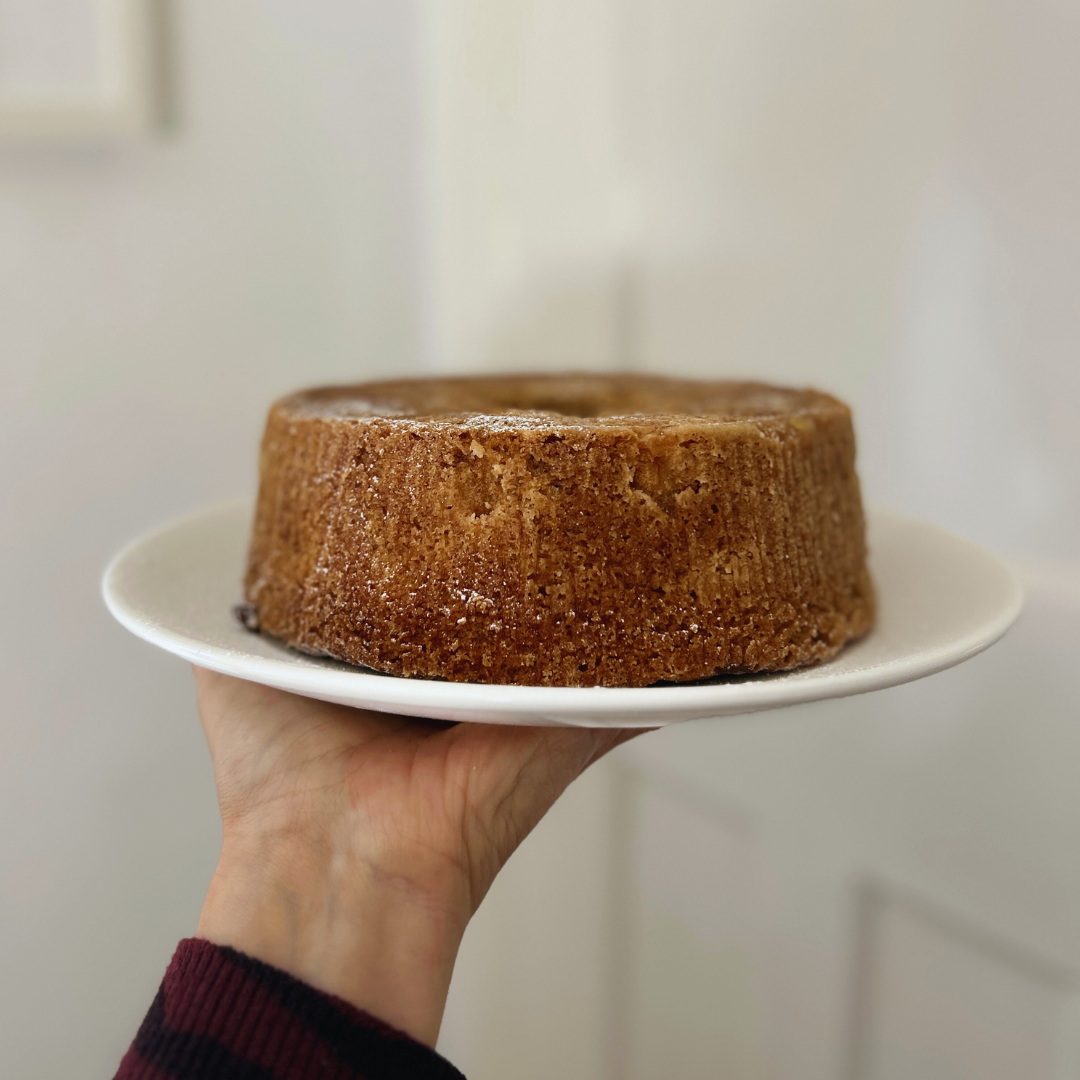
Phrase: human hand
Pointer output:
(357, 845)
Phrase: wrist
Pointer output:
(339, 924)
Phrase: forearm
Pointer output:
(325, 918)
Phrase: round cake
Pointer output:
(575, 530)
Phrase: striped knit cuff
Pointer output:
(221, 1015)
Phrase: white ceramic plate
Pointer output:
(942, 600)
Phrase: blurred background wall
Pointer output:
(881, 200)
(156, 292)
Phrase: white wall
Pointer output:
(878, 199)
(154, 296)
(881, 199)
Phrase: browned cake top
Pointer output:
(534, 402)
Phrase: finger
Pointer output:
(594, 743)
(615, 738)
(243, 720)
(548, 760)
(229, 706)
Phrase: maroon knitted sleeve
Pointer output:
(220, 1015)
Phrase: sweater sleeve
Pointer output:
(221, 1015)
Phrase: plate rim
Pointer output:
(656, 704)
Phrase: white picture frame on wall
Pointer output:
(123, 98)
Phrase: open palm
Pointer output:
(339, 821)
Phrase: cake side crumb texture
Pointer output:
(561, 531)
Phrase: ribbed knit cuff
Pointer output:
(221, 1015)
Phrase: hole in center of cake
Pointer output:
(580, 407)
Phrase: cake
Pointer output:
(576, 530)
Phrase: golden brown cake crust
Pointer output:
(561, 530)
